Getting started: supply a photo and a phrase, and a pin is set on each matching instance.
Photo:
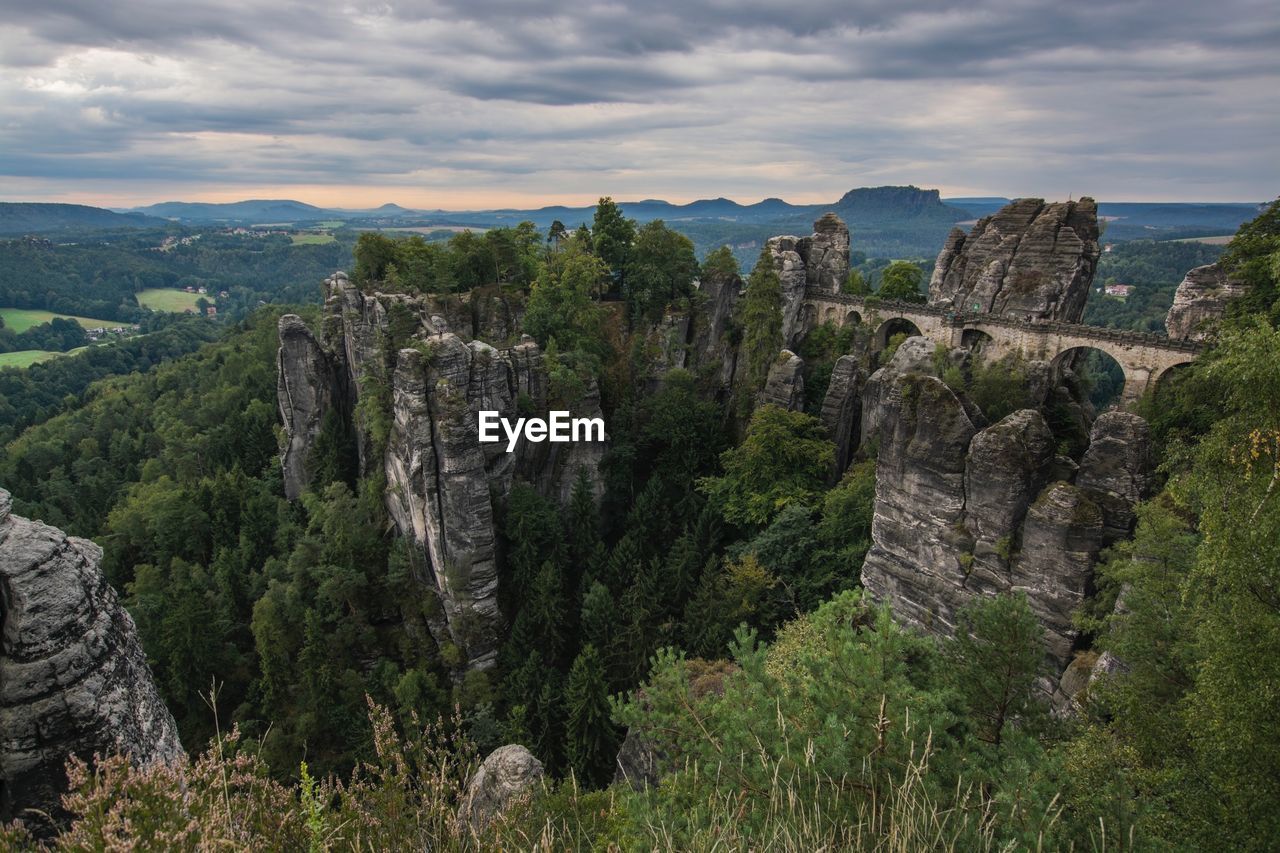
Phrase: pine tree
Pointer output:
(591, 740)
(582, 528)
(541, 623)
(997, 653)
(761, 320)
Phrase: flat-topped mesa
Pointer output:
(73, 678)
(1030, 260)
(403, 377)
(1200, 302)
(820, 260)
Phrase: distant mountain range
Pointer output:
(873, 204)
(887, 222)
(35, 218)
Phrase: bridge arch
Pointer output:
(976, 339)
(852, 318)
(1107, 376)
(1169, 374)
(889, 328)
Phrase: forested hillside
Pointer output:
(703, 614)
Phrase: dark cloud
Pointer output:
(676, 97)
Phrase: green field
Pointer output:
(21, 319)
(1220, 240)
(168, 299)
(26, 357)
(311, 239)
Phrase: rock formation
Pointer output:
(1031, 260)
(785, 384)
(411, 386)
(1200, 301)
(508, 774)
(963, 509)
(820, 260)
(1116, 471)
(842, 409)
(710, 349)
(307, 389)
(73, 678)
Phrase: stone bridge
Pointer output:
(1144, 357)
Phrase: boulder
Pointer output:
(73, 677)
(506, 776)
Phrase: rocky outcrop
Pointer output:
(1031, 260)
(506, 776)
(307, 389)
(410, 375)
(1006, 467)
(842, 409)
(710, 347)
(820, 260)
(1059, 546)
(73, 678)
(964, 510)
(881, 395)
(916, 561)
(438, 485)
(1117, 469)
(1200, 301)
(785, 385)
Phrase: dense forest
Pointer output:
(1154, 270)
(99, 275)
(709, 600)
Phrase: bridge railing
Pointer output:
(960, 319)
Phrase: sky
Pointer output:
(461, 104)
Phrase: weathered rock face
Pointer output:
(710, 347)
(820, 260)
(917, 532)
(1116, 471)
(412, 386)
(963, 511)
(1007, 465)
(881, 394)
(508, 774)
(842, 409)
(1030, 260)
(1060, 544)
(307, 388)
(1200, 301)
(785, 385)
(73, 678)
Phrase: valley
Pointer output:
(805, 469)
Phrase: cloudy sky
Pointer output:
(480, 103)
